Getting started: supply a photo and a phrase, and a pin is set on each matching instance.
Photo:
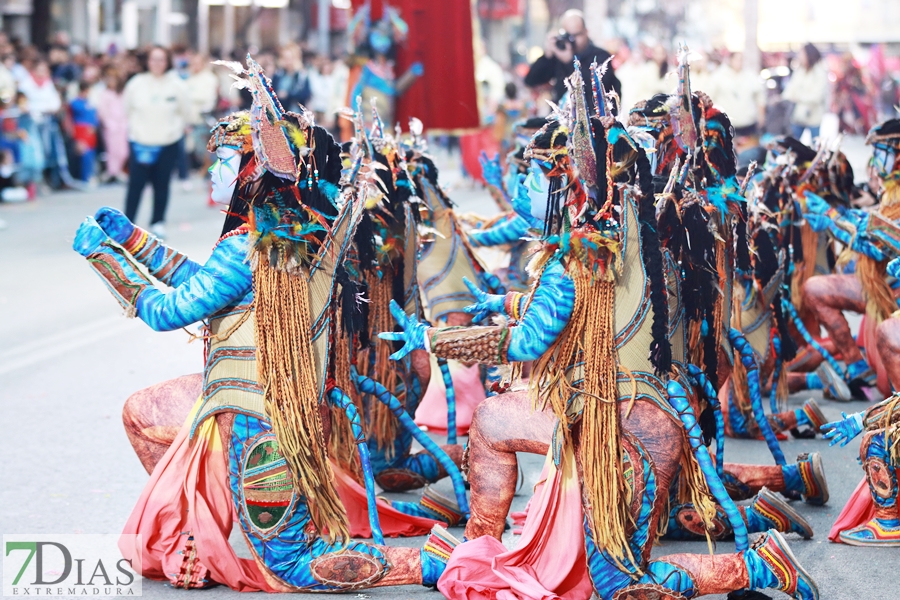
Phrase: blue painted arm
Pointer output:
(165, 264)
(893, 268)
(862, 243)
(546, 316)
(224, 280)
(543, 321)
(508, 231)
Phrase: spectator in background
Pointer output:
(7, 81)
(741, 94)
(114, 122)
(560, 49)
(30, 154)
(203, 91)
(43, 98)
(63, 69)
(158, 109)
(701, 73)
(340, 78)
(84, 131)
(44, 104)
(646, 77)
(853, 98)
(321, 85)
(290, 80)
(808, 90)
(491, 81)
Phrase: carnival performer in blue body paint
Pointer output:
(880, 457)
(587, 323)
(871, 238)
(386, 263)
(871, 516)
(377, 43)
(254, 445)
(513, 228)
(699, 209)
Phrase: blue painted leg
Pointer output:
(342, 400)
(369, 386)
(749, 361)
(451, 400)
(678, 400)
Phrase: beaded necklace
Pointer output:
(236, 231)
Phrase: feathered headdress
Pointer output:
(275, 140)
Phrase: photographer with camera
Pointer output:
(560, 48)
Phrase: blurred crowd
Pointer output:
(793, 93)
(71, 119)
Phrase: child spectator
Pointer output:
(114, 120)
(84, 130)
(23, 150)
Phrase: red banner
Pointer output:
(500, 9)
(440, 37)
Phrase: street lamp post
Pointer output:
(323, 27)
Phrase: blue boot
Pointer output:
(768, 511)
(435, 554)
(771, 564)
(806, 479)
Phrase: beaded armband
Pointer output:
(484, 345)
(160, 260)
(111, 264)
(514, 305)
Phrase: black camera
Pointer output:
(564, 40)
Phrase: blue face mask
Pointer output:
(538, 187)
(380, 43)
(883, 159)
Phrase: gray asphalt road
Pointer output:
(68, 360)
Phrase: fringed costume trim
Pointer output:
(287, 373)
(588, 413)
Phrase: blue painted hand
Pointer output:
(115, 224)
(485, 303)
(89, 237)
(412, 336)
(844, 430)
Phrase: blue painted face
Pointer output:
(883, 159)
(380, 42)
(538, 186)
(224, 174)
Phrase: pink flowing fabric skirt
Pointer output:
(188, 491)
(859, 510)
(549, 561)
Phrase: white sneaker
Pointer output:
(159, 230)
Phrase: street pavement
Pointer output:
(69, 359)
